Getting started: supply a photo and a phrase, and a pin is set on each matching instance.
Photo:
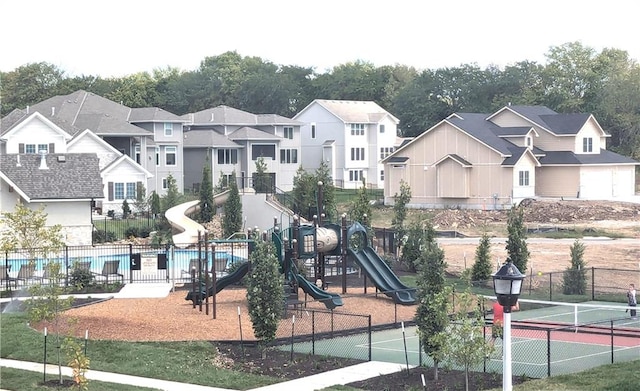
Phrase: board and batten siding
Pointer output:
(557, 181)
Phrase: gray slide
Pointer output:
(383, 277)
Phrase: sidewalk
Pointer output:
(341, 376)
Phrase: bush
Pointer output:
(132, 232)
(144, 232)
(81, 278)
(102, 236)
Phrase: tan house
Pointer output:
(491, 161)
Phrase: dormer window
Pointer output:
(529, 142)
(587, 144)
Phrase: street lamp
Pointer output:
(507, 283)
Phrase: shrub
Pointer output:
(102, 236)
(81, 278)
(132, 232)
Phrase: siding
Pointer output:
(557, 181)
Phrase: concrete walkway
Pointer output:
(341, 376)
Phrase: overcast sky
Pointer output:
(117, 37)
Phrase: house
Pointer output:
(233, 140)
(150, 136)
(65, 183)
(351, 137)
(490, 161)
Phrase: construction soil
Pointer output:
(174, 319)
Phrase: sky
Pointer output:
(114, 38)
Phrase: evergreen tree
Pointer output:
(481, 270)
(304, 194)
(575, 277)
(173, 196)
(261, 178)
(400, 208)
(232, 219)
(207, 207)
(126, 209)
(222, 184)
(154, 201)
(431, 314)
(516, 246)
(360, 207)
(265, 296)
(141, 204)
(323, 174)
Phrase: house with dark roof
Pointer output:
(233, 140)
(351, 137)
(65, 183)
(491, 161)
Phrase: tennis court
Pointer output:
(547, 339)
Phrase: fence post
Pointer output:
(370, 337)
(611, 331)
(548, 353)
(66, 265)
(593, 286)
(130, 255)
(550, 286)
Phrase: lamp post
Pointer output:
(507, 283)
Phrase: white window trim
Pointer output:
(167, 152)
(168, 129)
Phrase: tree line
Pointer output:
(575, 78)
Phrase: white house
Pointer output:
(351, 137)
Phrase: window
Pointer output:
(136, 148)
(313, 130)
(157, 156)
(30, 148)
(288, 156)
(265, 150)
(131, 191)
(170, 156)
(118, 191)
(355, 175)
(382, 175)
(357, 129)
(587, 144)
(43, 148)
(523, 178)
(385, 151)
(165, 184)
(381, 128)
(288, 132)
(357, 153)
(528, 142)
(227, 156)
(168, 129)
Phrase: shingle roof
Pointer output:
(557, 123)
(225, 115)
(353, 111)
(247, 133)
(77, 177)
(152, 114)
(207, 138)
(477, 126)
(570, 158)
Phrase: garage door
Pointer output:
(596, 183)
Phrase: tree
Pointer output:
(360, 207)
(154, 200)
(304, 186)
(265, 296)
(417, 237)
(575, 277)
(323, 175)
(141, 204)
(173, 196)
(261, 178)
(431, 314)
(126, 209)
(464, 343)
(232, 219)
(222, 184)
(46, 304)
(400, 208)
(481, 270)
(27, 229)
(206, 195)
(517, 251)
(29, 83)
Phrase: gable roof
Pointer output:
(87, 133)
(36, 117)
(353, 111)
(207, 138)
(125, 159)
(570, 158)
(82, 110)
(247, 133)
(70, 176)
(556, 123)
(152, 114)
(225, 115)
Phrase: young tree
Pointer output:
(154, 201)
(232, 219)
(173, 196)
(141, 204)
(400, 209)
(222, 184)
(126, 209)
(27, 229)
(261, 177)
(360, 207)
(481, 270)
(304, 190)
(207, 207)
(265, 296)
(46, 304)
(516, 246)
(431, 314)
(575, 277)
(464, 343)
(323, 174)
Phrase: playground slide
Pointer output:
(177, 217)
(331, 300)
(383, 277)
(223, 282)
